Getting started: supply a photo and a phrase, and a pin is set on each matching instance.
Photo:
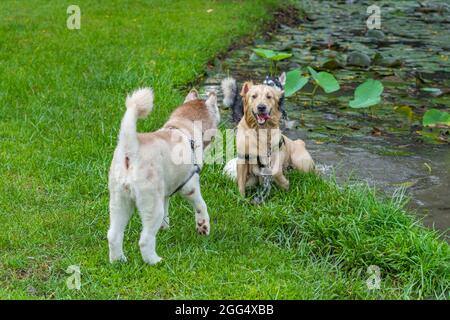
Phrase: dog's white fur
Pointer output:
(142, 173)
(230, 169)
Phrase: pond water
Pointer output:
(386, 145)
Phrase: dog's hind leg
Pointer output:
(191, 191)
(120, 210)
(151, 210)
(300, 158)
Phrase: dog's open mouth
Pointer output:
(262, 117)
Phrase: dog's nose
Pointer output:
(261, 108)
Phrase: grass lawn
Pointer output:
(61, 100)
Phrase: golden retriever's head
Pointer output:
(261, 105)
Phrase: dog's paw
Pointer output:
(117, 258)
(152, 260)
(283, 183)
(203, 227)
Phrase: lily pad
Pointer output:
(367, 94)
(272, 55)
(325, 80)
(435, 117)
(294, 82)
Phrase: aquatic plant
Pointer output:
(435, 118)
(367, 94)
(325, 80)
(295, 81)
(273, 57)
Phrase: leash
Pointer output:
(265, 173)
(196, 169)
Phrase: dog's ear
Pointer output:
(192, 95)
(211, 102)
(282, 79)
(246, 87)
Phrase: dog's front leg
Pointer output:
(191, 191)
(277, 172)
(242, 173)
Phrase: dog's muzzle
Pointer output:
(262, 116)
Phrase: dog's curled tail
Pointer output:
(229, 89)
(139, 104)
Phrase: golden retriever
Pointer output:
(262, 149)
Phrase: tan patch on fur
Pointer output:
(150, 174)
(194, 110)
(149, 137)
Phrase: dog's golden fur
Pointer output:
(259, 139)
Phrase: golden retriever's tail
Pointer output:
(139, 105)
(229, 89)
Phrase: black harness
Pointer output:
(196, 169)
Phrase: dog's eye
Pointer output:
(254, 96)
(269, 97)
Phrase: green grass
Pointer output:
(61, 100)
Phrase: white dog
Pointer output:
(146, 169)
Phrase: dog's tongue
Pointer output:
(264, 116)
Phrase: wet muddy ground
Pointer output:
(385, 145)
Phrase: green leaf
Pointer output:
(294, 82)
(281, 56)
(367, 94)
(272, 55)
(435, 117)
(325, 80)
(267, 54)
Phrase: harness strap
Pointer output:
(197, 168)
(195, 171)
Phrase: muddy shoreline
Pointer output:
(384, 146)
